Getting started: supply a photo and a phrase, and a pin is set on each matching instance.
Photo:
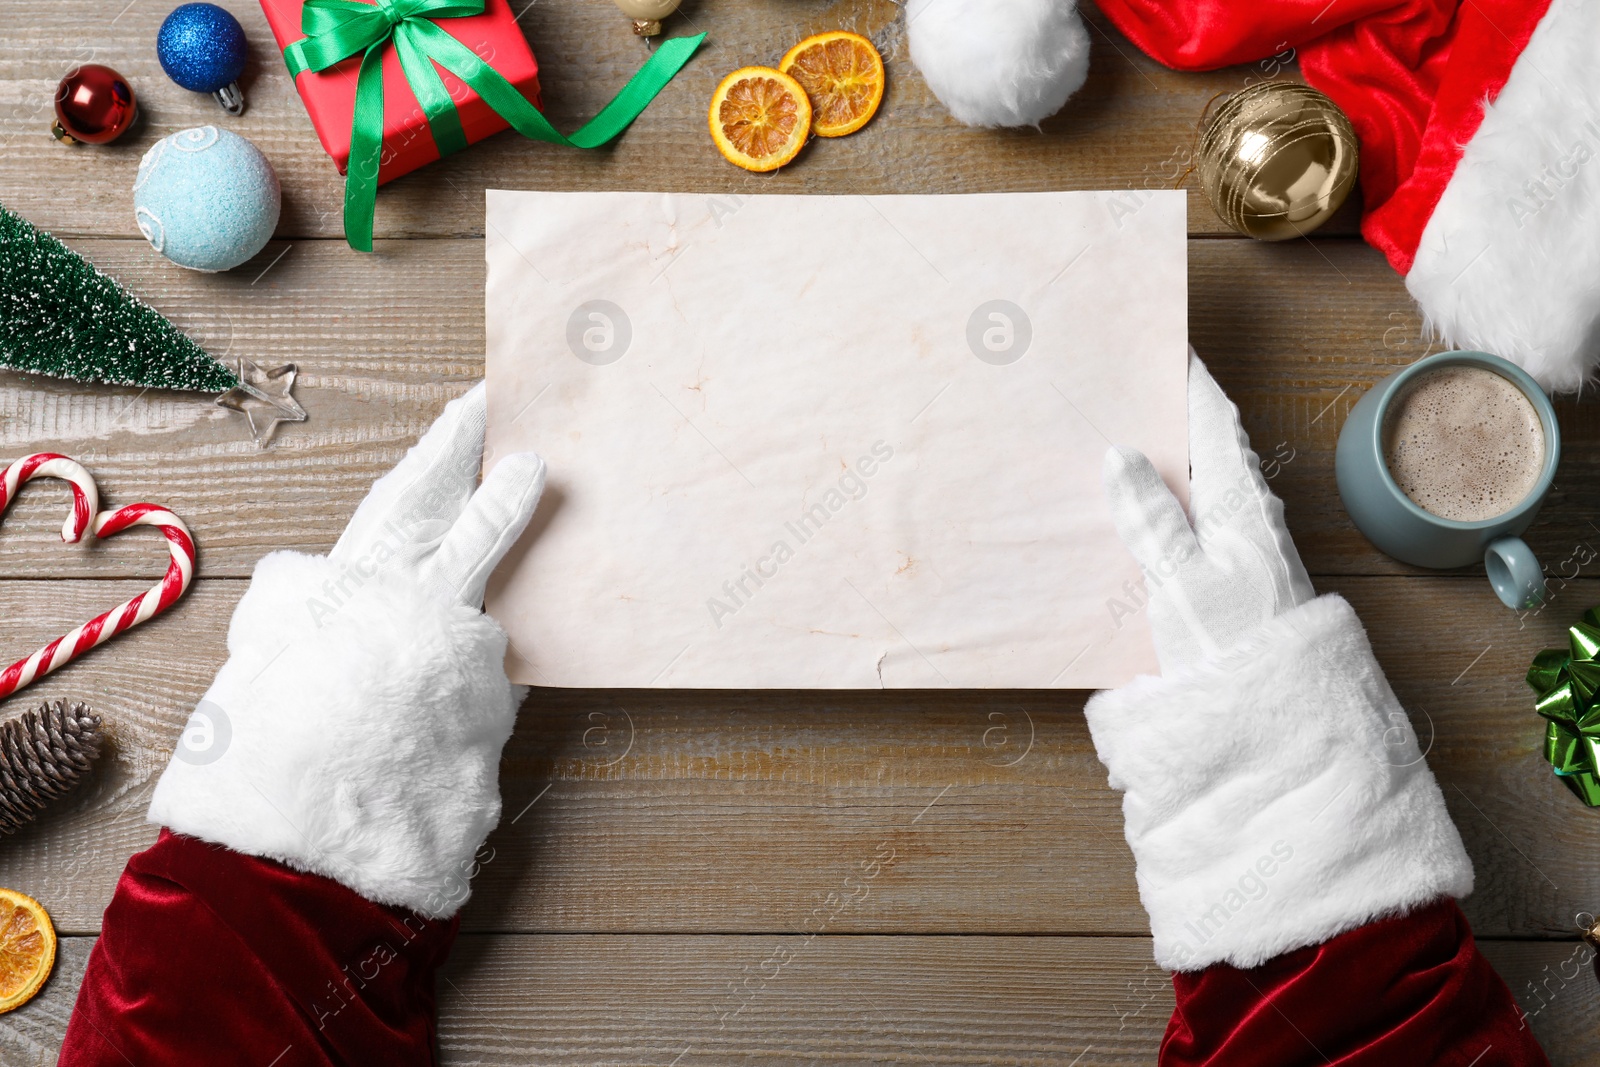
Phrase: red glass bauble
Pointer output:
(94, 104)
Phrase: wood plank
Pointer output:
(914, 1000)
(1554, 985)
(793, 1001)
(1131, 127)
(735, 812)
(1295, 333)
(587, 999)
(31, 1035)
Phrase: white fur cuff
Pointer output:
(1509, 261)
(1276, 798)
(355, 732)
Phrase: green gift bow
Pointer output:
(1566, 681)
(338, 29)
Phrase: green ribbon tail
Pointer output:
(366, 152)
(527, 120)
(664, 64)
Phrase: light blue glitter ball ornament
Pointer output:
(202, 48)
(206, 199)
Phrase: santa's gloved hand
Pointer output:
(1215, 582)
(355, 731)
(1275, 794)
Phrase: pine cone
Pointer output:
(43, 754)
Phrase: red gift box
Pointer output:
(330, 95)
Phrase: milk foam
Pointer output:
(1464, 443)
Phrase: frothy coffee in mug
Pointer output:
(1464, 443)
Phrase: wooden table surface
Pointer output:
(683, 878)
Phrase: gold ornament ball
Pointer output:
(1277, 159)
(647, 14)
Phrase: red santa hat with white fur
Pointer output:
(1479, 123)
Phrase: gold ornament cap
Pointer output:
(647, 14)
(1277, 160)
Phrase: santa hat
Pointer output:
(1479, 123)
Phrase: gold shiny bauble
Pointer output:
(1277, 159)
(647, 14)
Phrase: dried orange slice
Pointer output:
(27, 948)
(842, 74)
(759, 118)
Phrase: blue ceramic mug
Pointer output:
(1398, 526)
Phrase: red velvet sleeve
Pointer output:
(207, 956)
(1408, 991)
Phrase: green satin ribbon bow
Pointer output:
(338, 29)
(1566, 681)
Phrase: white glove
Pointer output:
(1211, 584)
(356, 729)
(1274, 792)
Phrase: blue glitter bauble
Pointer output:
(206, 199)
(201, 47)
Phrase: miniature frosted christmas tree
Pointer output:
(61, 316)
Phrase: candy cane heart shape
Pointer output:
(125, 616)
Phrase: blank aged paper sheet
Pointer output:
(831, 441)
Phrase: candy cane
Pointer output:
(85, 496)
(145, 606)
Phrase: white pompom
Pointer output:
(999, 62)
